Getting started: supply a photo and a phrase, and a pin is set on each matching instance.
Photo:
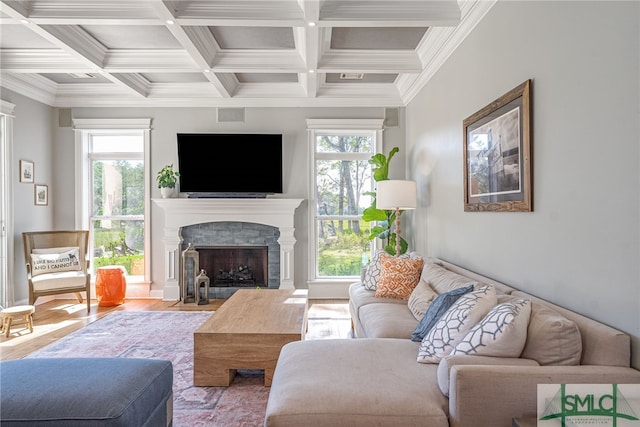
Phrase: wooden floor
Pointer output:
(55, 319)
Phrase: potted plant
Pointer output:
(167, 179)
(384, 218)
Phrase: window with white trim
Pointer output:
(340, 178)
(115, 198)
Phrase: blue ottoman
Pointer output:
(85, 392)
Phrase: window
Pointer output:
(116, 197)
(341, 175)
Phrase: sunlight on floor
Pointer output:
(20, 333)
(328, 320)
(72, 308)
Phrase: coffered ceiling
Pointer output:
(75, 53)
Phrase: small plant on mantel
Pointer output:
(167, 179)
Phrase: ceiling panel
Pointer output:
(376, 38)
(349, 78)
(267, 77)
(21, 37)
(80, 78)
(133, 37)
(254, 37)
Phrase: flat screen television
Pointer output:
(230, 164)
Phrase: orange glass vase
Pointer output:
(111, 286)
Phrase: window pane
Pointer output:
(118, 187)
(119, 242)
(344, 144)
(340, 186)
(117, 144)
(342, 250)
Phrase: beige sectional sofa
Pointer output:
(376, 380)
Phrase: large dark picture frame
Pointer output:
(497, 154)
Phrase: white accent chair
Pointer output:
(57, 263)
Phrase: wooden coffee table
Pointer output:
(248, 332)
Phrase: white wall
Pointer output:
(166, 122)
(32, 140)
(580, 248)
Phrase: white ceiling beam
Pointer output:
(194, 43)
(396, 13)
(78, 42)
(307, 42)
(41, 61)
(259, 61)
(226, 12)
(33, 86)
(87, 10)
(133, 81)
(149, 60)
(353, 61)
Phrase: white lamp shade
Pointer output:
(396, 194)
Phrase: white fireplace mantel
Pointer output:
(180, 212)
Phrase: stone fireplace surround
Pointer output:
(181, 212)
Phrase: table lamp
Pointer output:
(399, 195)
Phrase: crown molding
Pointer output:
(441, 43)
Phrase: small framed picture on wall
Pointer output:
(41, 194)
(26, 171)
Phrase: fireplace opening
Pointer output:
(235, 266)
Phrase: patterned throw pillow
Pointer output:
(398, 276)
(435, 311)
(421, 298)
(502, 332)
(468, 310)
(372, 273)
(54, 262)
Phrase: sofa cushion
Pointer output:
(398, 276)
(45, 282)
(363, 383)
(86, 392)
(435, 311)
(443, 280)
(552, 339)
(501, 333)
(55, 261)
(468, 310)
(387, 321)
(421, 298)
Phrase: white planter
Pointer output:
(166, 192)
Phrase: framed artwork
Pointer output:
(41, 194)
(26, 171)
(497, 154)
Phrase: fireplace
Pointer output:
(242, 266)
(228, 268)
(200, 221)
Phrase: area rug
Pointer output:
(168, 335)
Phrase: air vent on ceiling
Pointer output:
(82, 75)
(351, 76)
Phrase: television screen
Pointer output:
(229, 164)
